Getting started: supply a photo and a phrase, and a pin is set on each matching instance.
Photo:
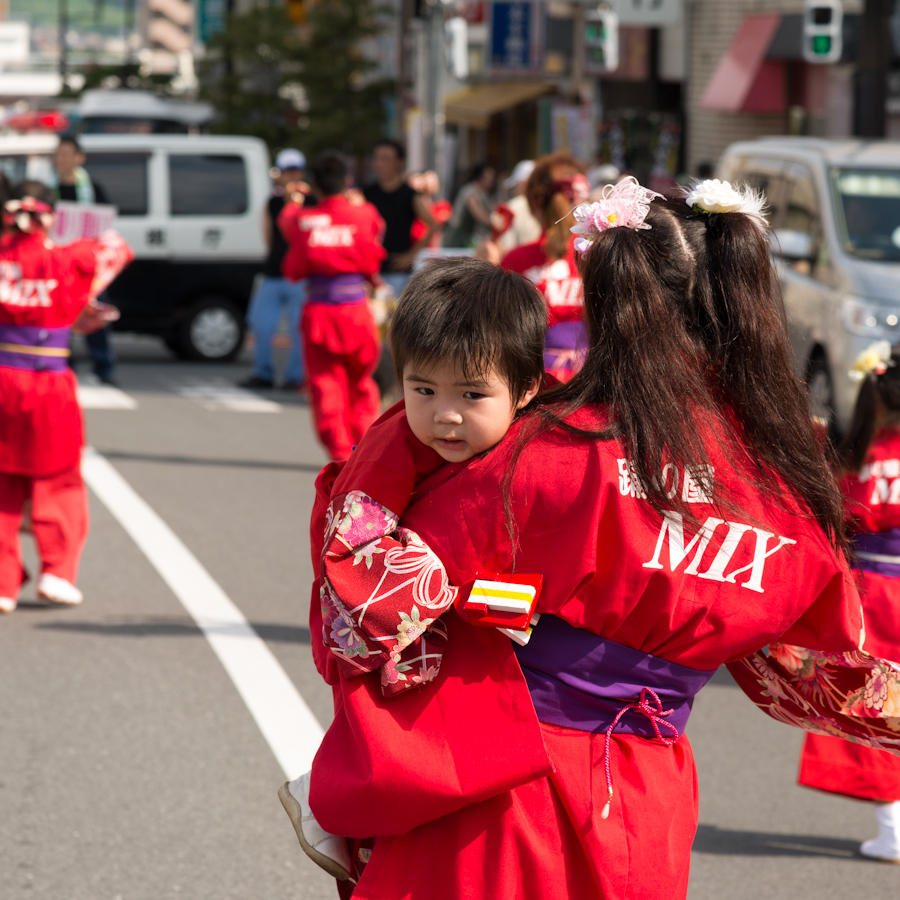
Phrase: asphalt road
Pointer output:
(132, 769)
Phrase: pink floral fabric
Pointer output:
(399, 590)
(849, 695)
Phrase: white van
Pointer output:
(191, 208)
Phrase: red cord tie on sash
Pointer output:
(656, 717)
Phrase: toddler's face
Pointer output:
(458, 418)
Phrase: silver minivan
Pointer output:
(834, 206)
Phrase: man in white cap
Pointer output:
(275, 293)
(524, 228)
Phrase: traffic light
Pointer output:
(822, 31)
(296, 9)
(601, 42)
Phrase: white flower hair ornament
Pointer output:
(624, 205)
(875, 358)
(712, 196)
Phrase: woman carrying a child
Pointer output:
(675, 500)
(556, 186)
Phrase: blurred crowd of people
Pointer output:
(490, 218)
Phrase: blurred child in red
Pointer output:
(337, 246)
(871, 486)
(44, 289)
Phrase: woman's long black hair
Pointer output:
(687, 340)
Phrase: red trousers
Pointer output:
(341, 346)
(59, 511)
(841, 767)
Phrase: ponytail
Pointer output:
(853, 448)
(687, 345)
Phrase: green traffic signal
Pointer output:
(821, 44)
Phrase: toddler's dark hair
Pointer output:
(886, 387)
(476, 315)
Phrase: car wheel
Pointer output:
(820, 390)
(211, 330)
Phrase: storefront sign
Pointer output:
(515, 45)
(211, 16)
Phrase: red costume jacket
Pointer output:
(559, 281)
(41, 285)
(335, 237)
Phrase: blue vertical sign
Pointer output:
(515, 38)
(211, 15)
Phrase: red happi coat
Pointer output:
(873, 506)
(467, 793)
(558, 280)
(335, 237)
(41, 432)
(560, 283)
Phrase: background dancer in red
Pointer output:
(336, 246)
(871, 485)
(43, 290)
(554, 188)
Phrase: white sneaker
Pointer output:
(885, 847)
(58, 590)
(8, 605)
(326, 850)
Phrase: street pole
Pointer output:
(63, 10)
(433, 121)
(870, 84)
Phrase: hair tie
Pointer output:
(874, 360)
(575, 188)
(624, 205)
(714, 225)
(713, 196)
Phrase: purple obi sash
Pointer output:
(34, 348)
(878, 553)
(580, 681)
(565, 346)
(336, 289)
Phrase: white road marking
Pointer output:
(222, 394)
(286, 722)
(104, 396)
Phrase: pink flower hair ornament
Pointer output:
(624, 205)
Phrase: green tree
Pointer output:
(308, 85)
(347, 106)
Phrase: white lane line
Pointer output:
(104, 396)
(222, 394)
(284, 719)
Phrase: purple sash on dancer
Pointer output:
(580, 681)
(33, 340)
(336, 289)
(878, 553)
(565, 346)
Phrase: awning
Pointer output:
(744, 80)
(474, 105)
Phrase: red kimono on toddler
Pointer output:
(461, 772)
